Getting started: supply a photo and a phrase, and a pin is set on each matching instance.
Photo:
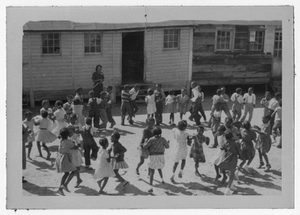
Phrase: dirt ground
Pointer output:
(43, 180)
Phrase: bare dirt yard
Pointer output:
(43, 180)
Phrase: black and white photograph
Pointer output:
(150, 107)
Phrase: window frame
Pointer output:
(277, 50)
(53, 46)
(263, 40)
(179, 39)
(231, 39)
(101, 43)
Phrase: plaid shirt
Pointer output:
(156, 145)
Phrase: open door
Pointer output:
(133, 57)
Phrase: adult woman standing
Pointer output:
(98, 78)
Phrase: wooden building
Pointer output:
(60, 56)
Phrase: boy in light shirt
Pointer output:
(249, 101)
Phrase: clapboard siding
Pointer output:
(169, 67)
(25, 63)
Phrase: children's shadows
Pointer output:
(245, 191)
(250, 180)
(121, 131)
(43, 165)
(86, 190)
(40, 191)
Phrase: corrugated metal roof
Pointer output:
(76, 26)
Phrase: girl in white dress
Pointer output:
(104, 169)
(181, 147)
(59, 115)
(44, 135)
(219, 156)
(171, 106)
(150, 101)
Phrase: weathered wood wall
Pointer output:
(228, 68)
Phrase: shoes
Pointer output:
(268, 167)
(122, 124)
(172, 179)
(246, 168)
(224, 179)
(137, 173)
(65, 188)
(170, 123)
(217, 177)
(150, 191)
(163, 182)
(180, 175)
(112, 124)
(78, 183)
(60, 191)
(260, 165)
(173, 124)
(228, 191)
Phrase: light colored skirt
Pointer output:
(76, 157)
(119, 165)
(156, 161)
(218, 157)
(103, 171)
(45, 136)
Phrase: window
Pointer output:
(51, 43)
(256, 40)
(278, 44)
(171, 38)
(224, 39)
(92, 42)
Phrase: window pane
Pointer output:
(45, 43)
(86, 49)
(227, 46)
(50, 36)
(176, 38)
(165, 45)
(56, 50)
(44, 37)
(50, 50)
(176, 45)
(93, 49)
(44, 50)
(171, 31)
(56, 36)
(50, 42)
(98, 49)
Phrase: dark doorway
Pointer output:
(132, 57)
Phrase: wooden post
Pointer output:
(188, 87)
(31, 94)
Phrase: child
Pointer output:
(277, 122)
(265, 102)
(215, 122)
(196, 103)
(89, 142)
(63, 161)
(197, 149)
(78, 95)
(232, 150)
(44, 135)
(237, 100)
(201, 95)
(133, 94)
(77, 108)
(147, 134)
(29, 122)
(75, 153)
(171, 106)
(25, 133)
(67, 107)
(273, 104)
(224, 102)
(249, 100)
(150, 101)
(59, 115)
(263, 144)
(46, 107)
(183, 103)
(104, 169)
(219, 156)
(156, 146)
(125, 106)
(181, 149)
(93, 108)
(109, 107)
(118, 162)
(216, 104)
(102, 110)
(247, 148)
(234, 130)
(159, 101)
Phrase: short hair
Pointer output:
(71, 127)
(136, 86)
(223, 88)
(158, 85)
(109, 87)
(103, 141)
(27, 113)
(221, 128)
(267, 92)
(64, 133)
(116, 135)
(219, 91)
(44, 114)
(126, 87)
(200, 128)
(150, 119)
(103, 93)
(171, 92)
(99, 65)
(73, 116)
(183, 89)
(45, 102)
(91, 93)
(70, 96)
(278, 96)
(59, 103)
(150, 91)
(88, 120)
(238, 90)
(76, 101)
(246, 125)
(79, 89)
(157, 131)
(182, 125)
(228, 135)
(229, 119)
(250, 88)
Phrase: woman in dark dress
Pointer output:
(98, 78)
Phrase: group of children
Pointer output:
(76, 133)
